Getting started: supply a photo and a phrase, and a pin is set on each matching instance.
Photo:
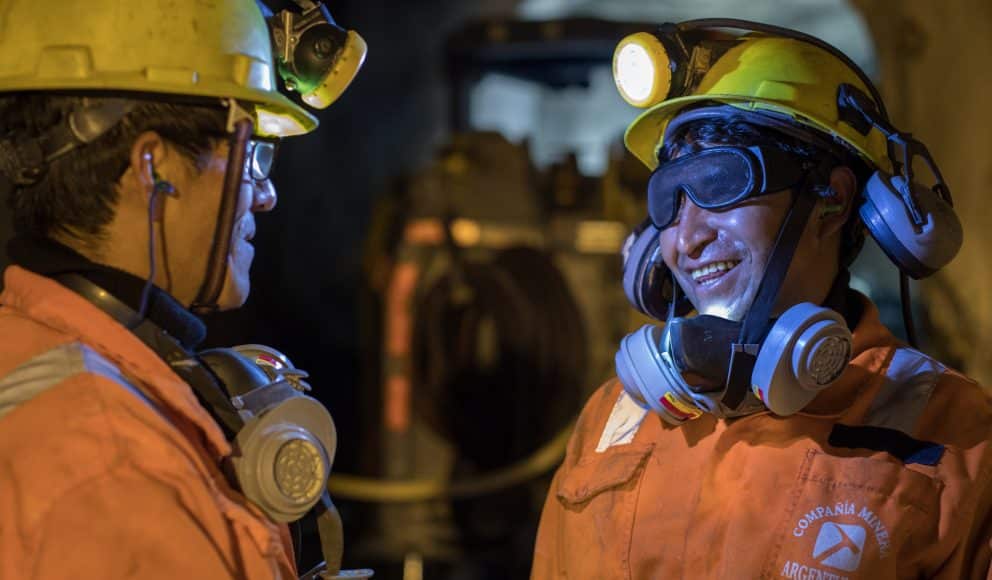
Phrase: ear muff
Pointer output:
(918, 250)
(916, 227)
(647, 281)
(805, 352)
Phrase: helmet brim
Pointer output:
(645, 136)
(277, 115)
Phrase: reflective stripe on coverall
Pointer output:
(768, 497)
(108, 463)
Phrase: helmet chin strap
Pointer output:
(757, 320)
(206, 299)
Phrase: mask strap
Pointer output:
(331, 533)
(756, 321)
(184, 364)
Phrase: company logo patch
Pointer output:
(840, 546)
(842, 531)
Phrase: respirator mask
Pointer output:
(286, 443)
(283, 440)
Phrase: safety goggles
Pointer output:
(260, 157)
(720, 177)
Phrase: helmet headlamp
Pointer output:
(650, 67)
(315, 57)
(640, 69)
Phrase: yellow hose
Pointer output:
(369, 489)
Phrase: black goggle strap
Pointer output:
(779, 169)
(755, 324)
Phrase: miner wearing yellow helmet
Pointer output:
(772, 426)
(136, 144)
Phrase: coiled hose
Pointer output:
(499, 357)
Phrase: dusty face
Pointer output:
(719, 256)
(190, 221)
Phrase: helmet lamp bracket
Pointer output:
(678, 54)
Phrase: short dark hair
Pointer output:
(735, 130)
(76, 195)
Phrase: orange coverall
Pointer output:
(771, 497)
(111, 470)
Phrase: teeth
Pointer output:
(714, 267)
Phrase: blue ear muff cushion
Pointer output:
(918, 250)
(639, 275)
(647, 281)
(638, 260)
(889, 242)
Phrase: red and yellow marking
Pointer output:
(676, 407)
(758, 393)
(267, 360)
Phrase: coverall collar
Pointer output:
(48, 258)
(51, 304)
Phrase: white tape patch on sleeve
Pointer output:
(624, 421)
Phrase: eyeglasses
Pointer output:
(720, 177)
(260, 157)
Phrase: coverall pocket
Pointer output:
(599, 496)
(598, 472)
(856, 517)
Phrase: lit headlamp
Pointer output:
(650, 67)
(316, 57)
(641, 69)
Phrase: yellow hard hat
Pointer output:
(219, 48)
(785, 76)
